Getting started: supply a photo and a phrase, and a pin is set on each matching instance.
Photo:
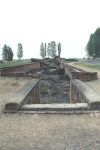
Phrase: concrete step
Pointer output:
(75, 112)
(56, 107)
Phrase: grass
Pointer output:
(93, 66)
(13, 63)
(97, 60)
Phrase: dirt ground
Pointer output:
(45, 131)
(49, 132)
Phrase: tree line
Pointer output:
(93, 46)
(50, 50)
(7, 53)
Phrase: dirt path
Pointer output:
(95, 85)
(45, 131)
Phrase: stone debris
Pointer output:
(54, 89)
(54, 83)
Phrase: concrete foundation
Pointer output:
(28, 98)
(30, 93)
(80, 92)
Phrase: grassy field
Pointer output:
(93, 66)
(13, 63)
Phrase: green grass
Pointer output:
(93, 66)
(13, 63)
(97, 60)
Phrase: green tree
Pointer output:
(93, 45)
(42, 50)
(4, 53)
(90, 48)
(7, 53)
(59, 49)
(10, 54)
(45, 49)
(51, 49)
(97, 42)
(20, 51)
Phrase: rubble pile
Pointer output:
(54, 89)
(54, 83)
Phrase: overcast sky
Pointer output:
(31, 22)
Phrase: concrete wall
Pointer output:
(76, 95)
(87, 76)
(81, 93)
(29, 94)
(76, 73)
(22, 74)
(34, 98)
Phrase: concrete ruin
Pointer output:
(55, 86)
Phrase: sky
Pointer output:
(31, 22)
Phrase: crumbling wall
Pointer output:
(19, 69)
(76, 73)
(81, 93)
(76, 95)
(34, 98)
